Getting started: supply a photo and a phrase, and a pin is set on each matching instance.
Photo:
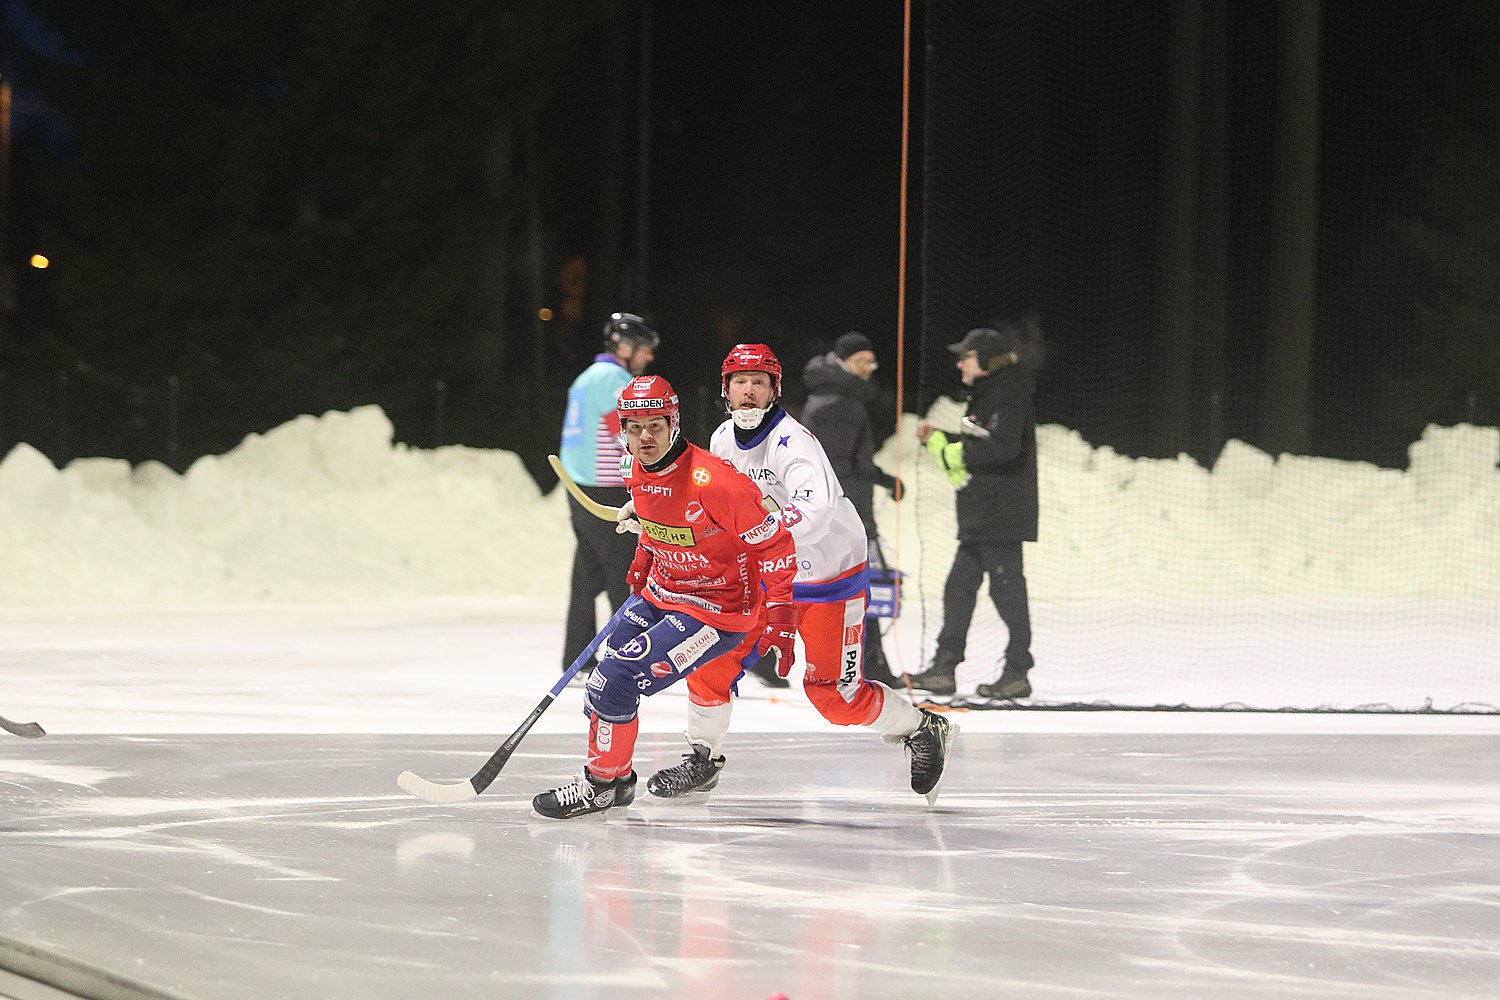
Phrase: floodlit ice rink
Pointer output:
(214, 815)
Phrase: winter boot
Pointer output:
(929, 747)
(1008, 687)
(698, 772)
(583, 795)
(1012, 683)
(938, 677)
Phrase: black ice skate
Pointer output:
(929, 747)
(698, 772)
(583, 795)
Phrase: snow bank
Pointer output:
(319, 509)
(329, 509)
(1254, 524)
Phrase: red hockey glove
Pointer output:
(781, 630)
(640, 568)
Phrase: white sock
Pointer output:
(898, 717)
(708, 725)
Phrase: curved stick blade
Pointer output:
(26, 730)
(433, 791)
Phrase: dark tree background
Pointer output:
(291, 207)
(256, 210)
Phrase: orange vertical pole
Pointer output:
(901, 240)
(895, 558)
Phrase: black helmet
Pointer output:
(629, 329)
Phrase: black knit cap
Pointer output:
(852, 343)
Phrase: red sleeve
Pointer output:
(740, 511)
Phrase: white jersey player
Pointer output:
(786, 461)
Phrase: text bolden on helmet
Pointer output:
(629, 329)
(750, 358)
(648, 396)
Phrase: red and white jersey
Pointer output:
(711, 541)
(789, 465)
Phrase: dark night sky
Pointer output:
(778, 159)
(776, 202)
(773, 208)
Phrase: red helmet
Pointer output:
(648, 396)
(750, 358)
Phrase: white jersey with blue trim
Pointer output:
(789, 465)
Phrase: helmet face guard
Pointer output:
(648, 396)
(630, 330)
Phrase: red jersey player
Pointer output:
(712, 565)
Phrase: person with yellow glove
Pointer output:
(991, 463)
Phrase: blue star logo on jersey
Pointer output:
(783, 440)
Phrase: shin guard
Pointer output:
(611, 746)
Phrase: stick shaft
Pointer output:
(436, 791)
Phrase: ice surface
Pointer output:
(1121, 865)
(214, 814)
(466, 666)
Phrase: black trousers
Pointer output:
(1002, 562)
(600, 562)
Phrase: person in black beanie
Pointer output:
(838, 413)
(991, 462)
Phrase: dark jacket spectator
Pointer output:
(838, 412)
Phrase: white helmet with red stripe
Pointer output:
(647, 396)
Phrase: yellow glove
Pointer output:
(950, 455)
